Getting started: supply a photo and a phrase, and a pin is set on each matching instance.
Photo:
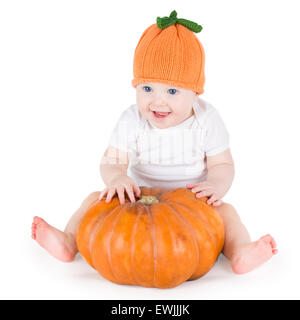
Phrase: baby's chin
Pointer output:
(161, 126)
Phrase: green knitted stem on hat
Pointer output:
(165, 22)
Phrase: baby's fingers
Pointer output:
(137, 191)
(217, 203)
(204, 193)
(201, 188)
(110, 194)
(130, 193)
(212, 199)
(102, 193)
(120, 191)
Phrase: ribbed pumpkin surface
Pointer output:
(159, 245)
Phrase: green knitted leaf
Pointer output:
(193, 26)
(165, 22)
(173, 14)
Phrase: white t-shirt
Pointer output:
(171, 157)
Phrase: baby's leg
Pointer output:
(243, 254)
(61, 244)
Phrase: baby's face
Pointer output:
(152, 97)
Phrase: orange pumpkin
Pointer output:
(161, 240)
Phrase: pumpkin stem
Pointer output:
(148, 200)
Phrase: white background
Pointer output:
(65, 77)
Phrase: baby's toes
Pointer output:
(274, 246)
(37, 220)
(33, 230)
(38, 226)
(270, 241)
(266, 239)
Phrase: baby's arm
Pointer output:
(220, 171)
(219, 178)
(114, 163)
(113, 169)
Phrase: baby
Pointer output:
(170, 138)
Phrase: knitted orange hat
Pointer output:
(169, 52)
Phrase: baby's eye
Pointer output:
(146, 87)
(173, 91)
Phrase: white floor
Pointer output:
(29, 272)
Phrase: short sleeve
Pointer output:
(217, 137)
(123, 136)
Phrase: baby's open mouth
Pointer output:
(160, 114)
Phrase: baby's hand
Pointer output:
(120, 184)
(206, 189)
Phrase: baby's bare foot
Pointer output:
(61, 245)
(252, 255)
